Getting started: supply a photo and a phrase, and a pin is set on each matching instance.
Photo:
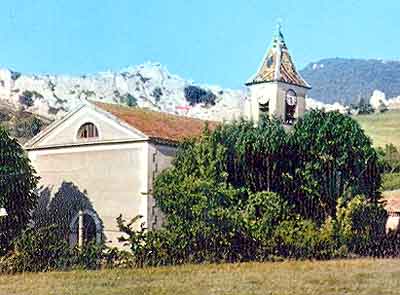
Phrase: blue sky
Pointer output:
(214, 42)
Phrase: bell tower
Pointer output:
(277, 89)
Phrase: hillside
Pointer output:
(347, 80)
(21, 124)
(383, 128)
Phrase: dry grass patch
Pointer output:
(383, 128)
(363, 276)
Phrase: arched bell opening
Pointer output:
(290, 107)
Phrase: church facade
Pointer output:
(100, 160)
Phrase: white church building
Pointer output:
(100, 160)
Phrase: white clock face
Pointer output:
(291, 98)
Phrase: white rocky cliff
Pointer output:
(148, 86)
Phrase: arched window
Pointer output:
(88, 130)
(85, 227)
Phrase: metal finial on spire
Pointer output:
(279, 34)
(279, 25)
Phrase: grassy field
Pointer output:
(382, 128)
(362, 276)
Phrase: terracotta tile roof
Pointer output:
(157, 125)
(278, 66)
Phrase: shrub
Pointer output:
(28, 127)
(87, 93)
(136, 240)
(90, 256)
(208, 231)
(364, 107)
(296, 238)
(212, 227)
(391, 181)
(265, 211)
(195, 95)
(361, 225)
(41, 249)
(382, 108)
(157, 93)
(27, 97)
(36, 250)
(129, 100)
(303, 239)
(150, 248)
(4, 116)
(116, 258)
(15, 75)
(389, 245)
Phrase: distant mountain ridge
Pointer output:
(346, 80)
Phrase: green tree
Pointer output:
(17, 183)
(332, 157)
(200, 206)
(246, 191)
(207, 200)
(256, 155)
(364, 107)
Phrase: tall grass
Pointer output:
(360, 276)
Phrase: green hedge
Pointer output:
(40, 249)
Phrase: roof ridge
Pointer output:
(157, 125)
(149, 111)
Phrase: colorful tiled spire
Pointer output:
(277, 65)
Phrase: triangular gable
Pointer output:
(64, 132)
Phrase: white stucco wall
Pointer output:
(112, 176)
